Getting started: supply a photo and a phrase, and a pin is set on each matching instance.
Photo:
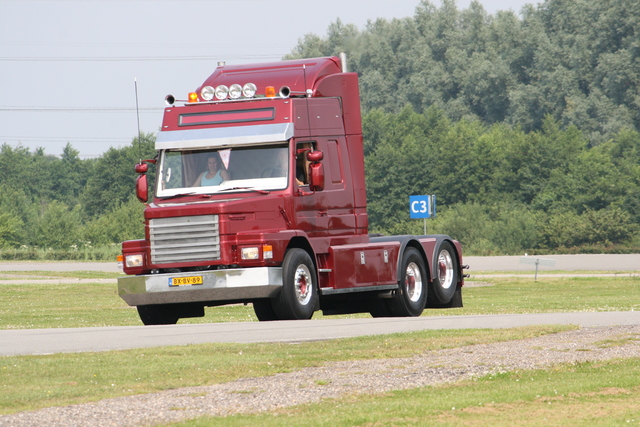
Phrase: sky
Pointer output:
(69, 69)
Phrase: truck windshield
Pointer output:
(263, 168)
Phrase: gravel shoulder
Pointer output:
(334, 380)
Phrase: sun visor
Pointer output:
(224, 136)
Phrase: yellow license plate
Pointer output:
(185, 281)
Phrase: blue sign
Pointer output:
(422, 206)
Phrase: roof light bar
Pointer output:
(222, 92)
(235, 91)
(249, 90)
(207, 93)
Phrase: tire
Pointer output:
(158, 314)
(445, 280)
(264, 310)
(379, 308)
(411, 296)
(298, 297)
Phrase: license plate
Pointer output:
(185, 281)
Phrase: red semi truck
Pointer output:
(260, 198)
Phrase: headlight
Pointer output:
(136, 260)
(207, 93)
(235, 91)
(250, 253)
(249, 90)
(222, 92)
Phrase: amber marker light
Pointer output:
(270, 92)
(193, 97)
(267, 251)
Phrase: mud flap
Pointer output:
(455, 302)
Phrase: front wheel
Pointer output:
(264, 310)
(165, 314)
(411, 296)
(298, 297)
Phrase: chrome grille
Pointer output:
(184, 239)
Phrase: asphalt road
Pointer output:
(595, 262)
(46, 341)
(111, 267)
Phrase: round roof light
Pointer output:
(249, 90)
(207, 93)
(235, 91)
(222, 92)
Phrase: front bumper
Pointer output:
(240, 284)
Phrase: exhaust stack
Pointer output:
(343, 61)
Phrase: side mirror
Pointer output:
(315, 156)
(316, 170)
(142, 188)
(142, 184)
(142, 168)
(316, 177)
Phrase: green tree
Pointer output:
(68, 176)
(111, 177)
(576, 61)
(124, 222)
(58, 227)
(10, 230)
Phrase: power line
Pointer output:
(130, 58)
(78, 110)
(20, 139)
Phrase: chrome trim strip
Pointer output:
(223, 136)
(331, 291)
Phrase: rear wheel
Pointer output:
(411, 296)
(446, 275)
(298, 297)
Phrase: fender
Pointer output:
(407, 239)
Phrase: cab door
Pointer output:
(311, 215)
(330, 212)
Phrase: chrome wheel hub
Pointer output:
(445, 269)
(303, 284)
(413, 282)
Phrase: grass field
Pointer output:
(72, 304)
(565, 395)
(590, 394)
(29, 382)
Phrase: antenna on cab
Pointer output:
(135, 82)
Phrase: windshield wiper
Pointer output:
(179, 195)
(244, 188)
(187, 194)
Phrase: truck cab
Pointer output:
(260, 198)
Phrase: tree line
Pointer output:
(67, 205)
(576, 60)
(501, 190)
(526, 129)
